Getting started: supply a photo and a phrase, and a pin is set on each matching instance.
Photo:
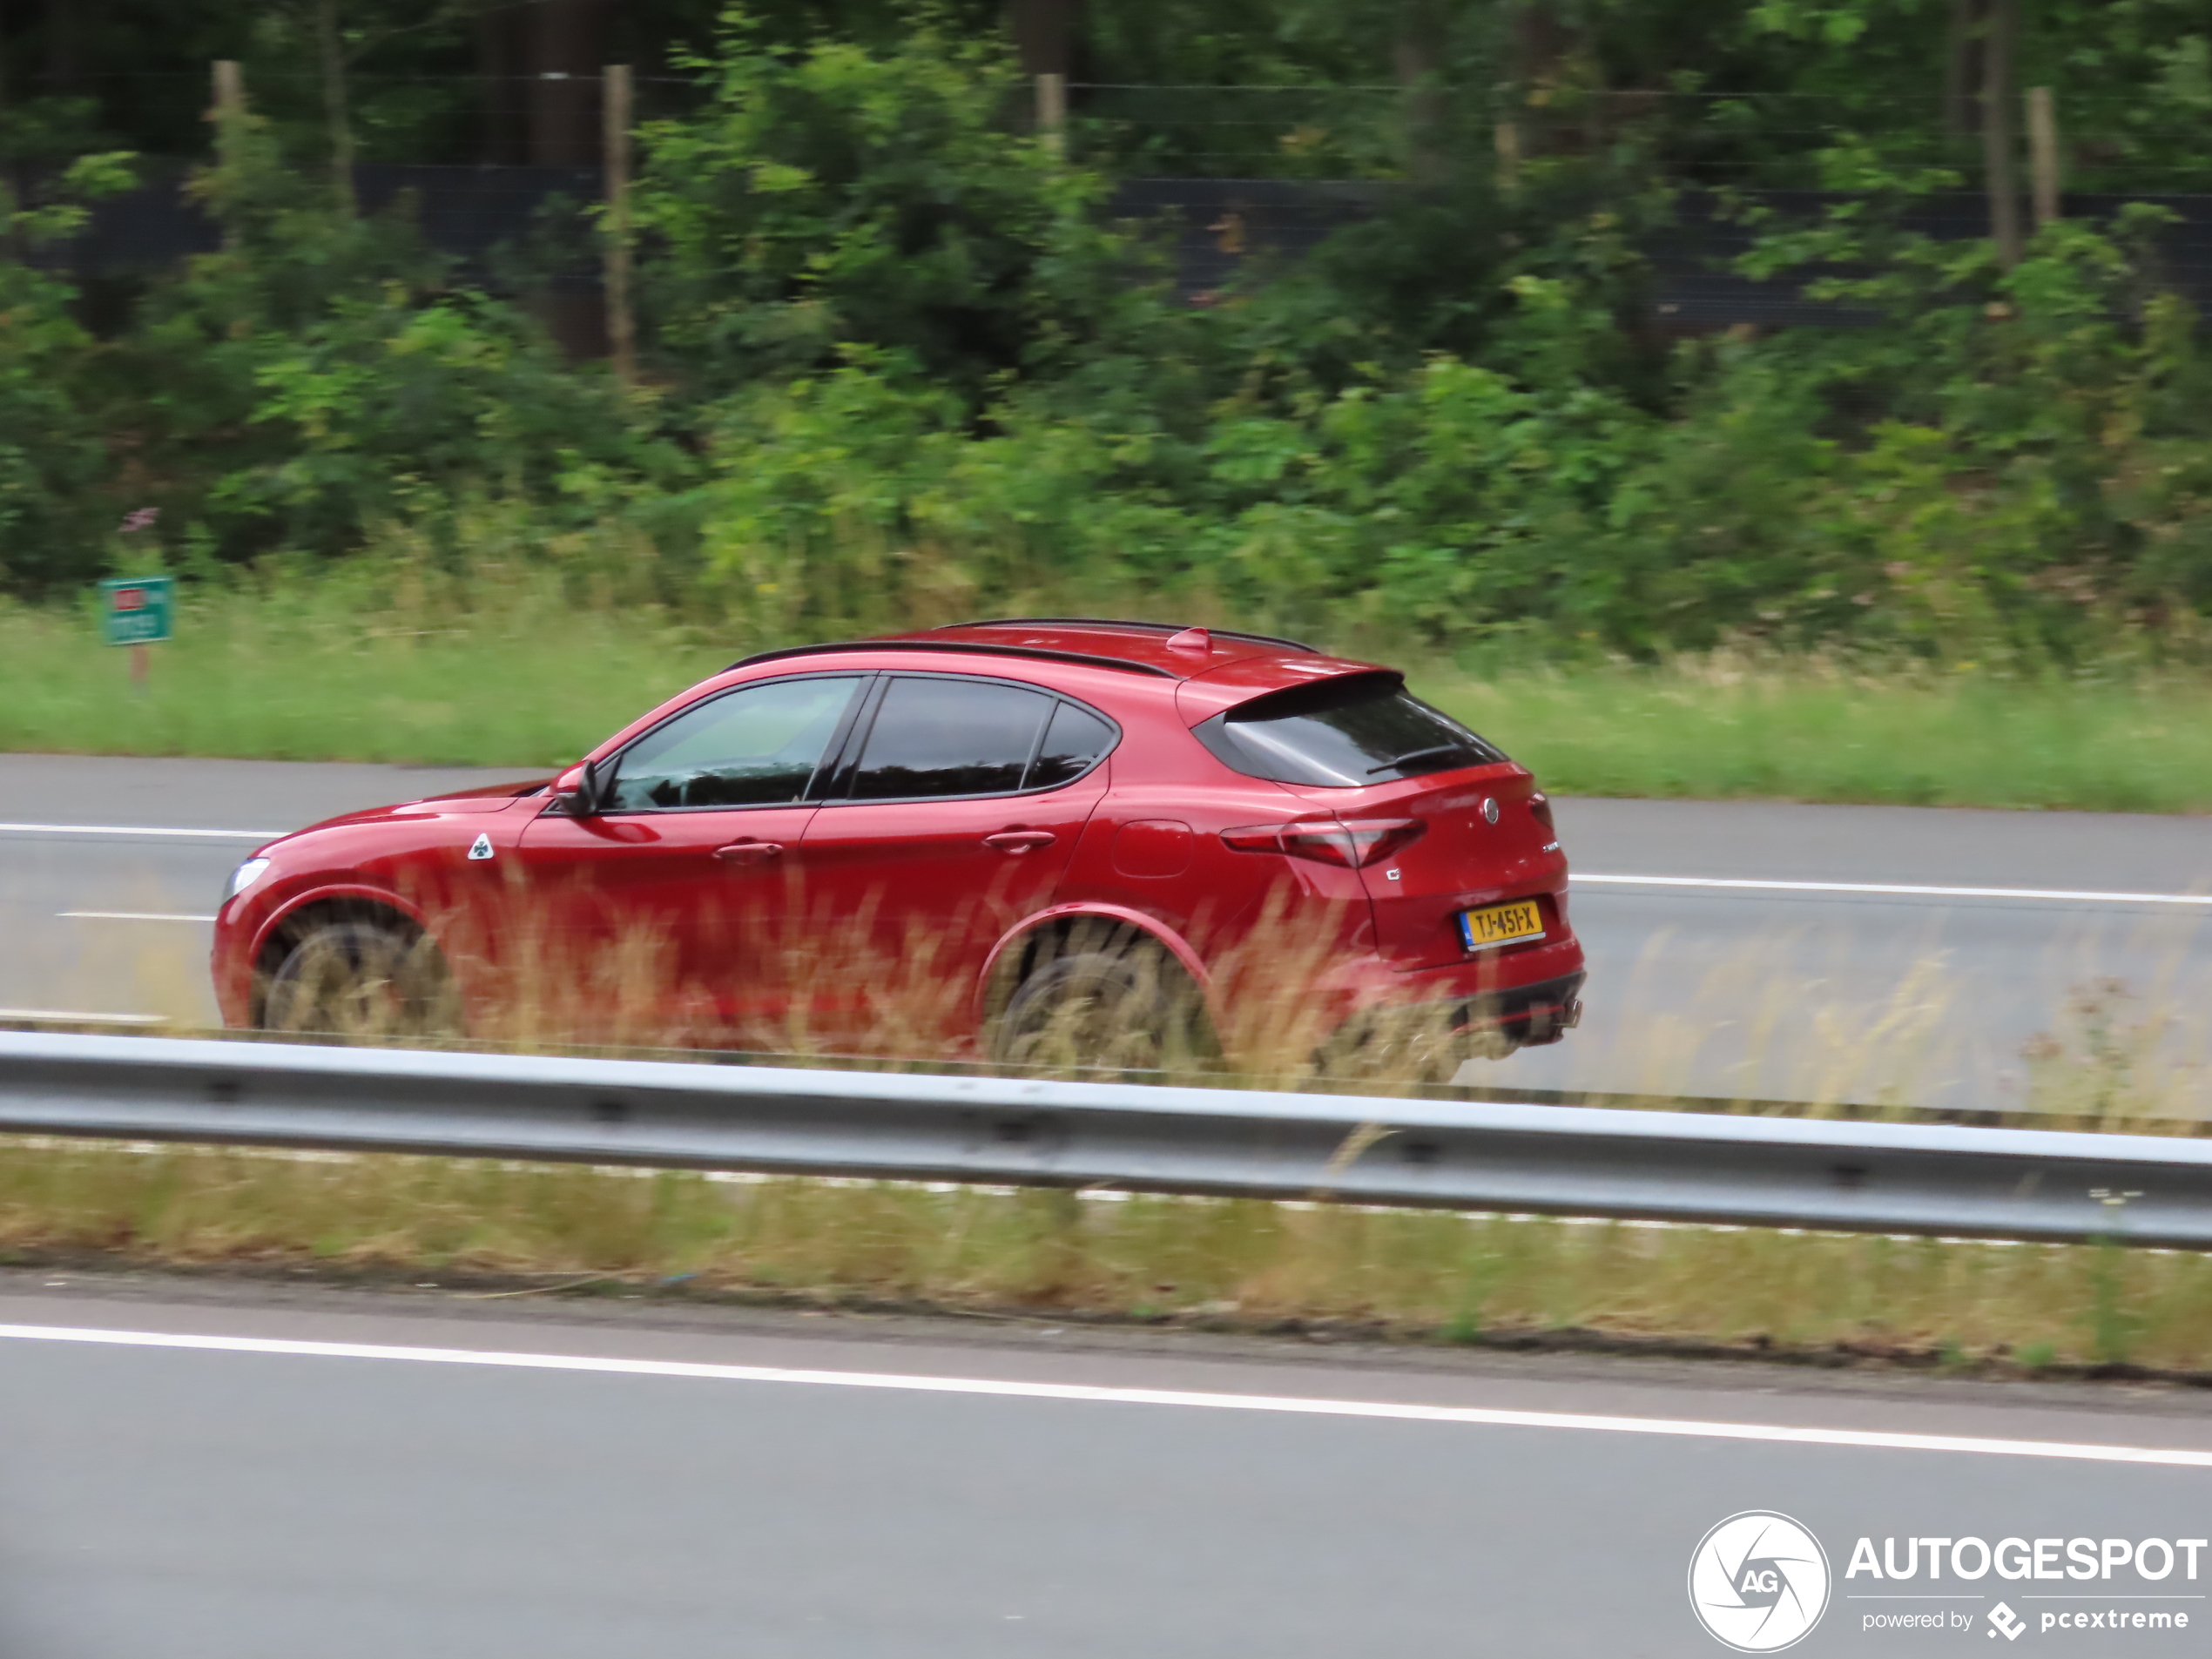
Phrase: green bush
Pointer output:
(835, 196)
(51, 453)
(318, 374)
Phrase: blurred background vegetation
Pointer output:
(907, 352)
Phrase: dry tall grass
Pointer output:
(778, 969)
(1241, 1262)
(2111, 1059)
(2117, 1050)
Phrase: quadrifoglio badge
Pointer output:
(1759, 1581)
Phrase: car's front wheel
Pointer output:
(361, 979)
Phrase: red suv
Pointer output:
(966, 837)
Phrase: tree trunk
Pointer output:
(1541, 44)
(499, 62)
(1998, 160)
(1044, 35)
(1047, 35)
(70, 25)
(330, 46)
(10, 174)
(1962, 71)
(563, 53)
(1417, 57)
(566, 46)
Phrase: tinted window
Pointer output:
(1343, 733)
(948, 737)
(752, 748)
(1072, 742)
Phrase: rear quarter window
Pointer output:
(1342, 734)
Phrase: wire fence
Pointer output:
(1709, 139)
(501, 172)
(1700, 137)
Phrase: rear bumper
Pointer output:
(1531, 1014)
(1534, 993)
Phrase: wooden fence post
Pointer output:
(229, 94)
(2043, 155)
(1052, 112)
(622, 322)
(229, 111)
(1507, 137)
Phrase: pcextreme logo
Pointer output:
(1758, 1581)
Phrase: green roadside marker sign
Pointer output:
(138, 609)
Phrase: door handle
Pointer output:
(1018, 841)
(750, 852)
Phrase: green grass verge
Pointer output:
(1239, 1263)
(502, 669)
(1798, 733)
(294, 678)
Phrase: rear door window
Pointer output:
(756, 747)
(938, 736)
(1343, 733)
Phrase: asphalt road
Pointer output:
(1726, 981)
(353, 1474)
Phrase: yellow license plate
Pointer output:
(1500, 924)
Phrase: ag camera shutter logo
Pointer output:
(1758, 1581)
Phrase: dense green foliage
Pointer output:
(900, 368)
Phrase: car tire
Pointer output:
(1113, 1001)
(361, 979)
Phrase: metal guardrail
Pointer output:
(1487, 1156)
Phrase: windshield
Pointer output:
(1346, 733)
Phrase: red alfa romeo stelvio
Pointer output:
(1051, 823)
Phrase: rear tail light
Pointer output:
(1541, 805)
(1353, 843)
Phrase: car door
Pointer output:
(668, 912)
(952, 816)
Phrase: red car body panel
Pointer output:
(750, 910)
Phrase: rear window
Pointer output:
(1342, 733)
(950, 736)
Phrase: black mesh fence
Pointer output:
(1236, 182)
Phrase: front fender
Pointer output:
(334, 892)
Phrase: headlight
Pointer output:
(244, 877)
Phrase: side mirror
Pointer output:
(581, 789)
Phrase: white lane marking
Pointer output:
(1769, 1434)
(127, 915)
(60, 1016)
(138, 829)
(2053, 895)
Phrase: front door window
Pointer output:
(674, 913)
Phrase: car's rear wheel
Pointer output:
(361, 979)
(1106, 998)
